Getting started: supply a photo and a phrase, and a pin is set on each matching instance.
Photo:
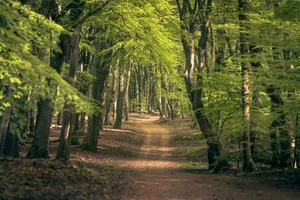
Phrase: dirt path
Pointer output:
(158, 176)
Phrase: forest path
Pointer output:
(158, 175)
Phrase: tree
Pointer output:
(192, 16)
(246, 87)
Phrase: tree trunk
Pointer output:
(82, 122)
(121, 93)
(128, 77)
(163, 92)
(39, 146)
(75, 133)
(11, 147)
(4, 121)
(68, 121)
(109, 98)
(195, 96)
(248, 163)
(141, 88)
(296, 161)
(31, 123)
(101, 71)
(158, 100)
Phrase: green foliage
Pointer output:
(24, 44)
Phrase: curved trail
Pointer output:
(155, 154)
(158, 175)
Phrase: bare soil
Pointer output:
(159, 176)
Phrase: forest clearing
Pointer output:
(149, 99)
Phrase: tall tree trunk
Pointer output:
(163, 92)
(109, 99)
(141, 88)
(156, 93)
(39, 146)
(248, 163)
(115, 93)
(128, 77)
(196, 95)
(100, 70)
(121, 93)
(68, 121)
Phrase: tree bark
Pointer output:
(76, 131)
(141, 88)
(128, 77)
(296, 161)
(100, 70)
(110, 98)
(68, 121)
(4, 121)
(248, 164)
(121, 94)
(39, 146)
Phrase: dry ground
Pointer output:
(159, 175)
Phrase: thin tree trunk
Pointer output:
(109, 98)
(31, 123)
(296, 161)
(128, 77)
(115, 94)
(213, 49)
(68, 121)
(120, 101)
(141, 88)
(158, 100)
(248, 164)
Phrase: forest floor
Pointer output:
(148, 159)
(160, 171)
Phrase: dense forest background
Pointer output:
(230, 65)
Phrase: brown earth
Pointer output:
(159, 177)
